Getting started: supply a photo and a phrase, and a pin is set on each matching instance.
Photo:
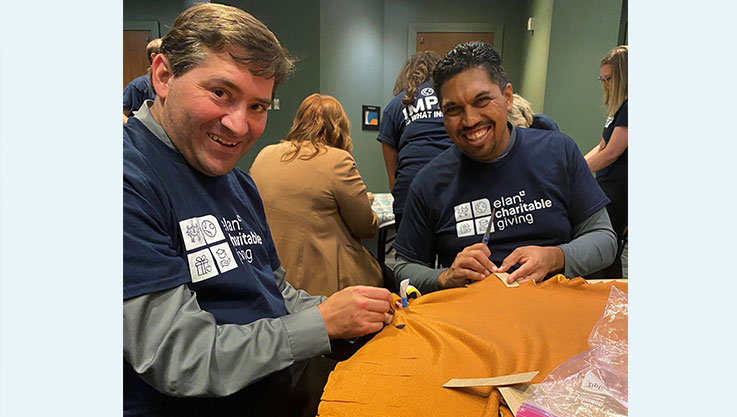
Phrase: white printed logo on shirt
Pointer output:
(200, 231)
(473, 218)
(216, 257)
(427, 91)
(481, 207)
(224, 257)
(201, 265)
(482, 224)
(192, 234)
(463, 212)
(511, 210)
(465, 228)
(211, 229)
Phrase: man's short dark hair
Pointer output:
(469, 55)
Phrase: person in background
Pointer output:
(522, 115)
(608, 159)
(316, 202)
(531, 188)
(411, 131)
(210, 326)
(139, 89)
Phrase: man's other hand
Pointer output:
(355, 311)
(535, 263)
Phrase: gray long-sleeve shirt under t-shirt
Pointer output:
(165, 329)
(593, 247)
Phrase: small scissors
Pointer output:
(488, 227)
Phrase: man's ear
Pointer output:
(509, 96)
(161, 75)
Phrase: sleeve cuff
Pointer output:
(568, 267)
(307, 334)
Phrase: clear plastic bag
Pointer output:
(593, 383)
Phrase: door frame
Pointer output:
(496, 28)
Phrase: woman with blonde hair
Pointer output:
(316, 202)
(609, 158)
(522, 115)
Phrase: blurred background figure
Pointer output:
(609, 158)
(411, 130)
(316, 202)
(139, 89)
(522, 115)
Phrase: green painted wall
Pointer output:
(297, 26)
(351, 35)
(164, 11)
(534, 61)
(582, 32)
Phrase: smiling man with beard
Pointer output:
(548, 212)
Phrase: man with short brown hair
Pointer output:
(210, 326)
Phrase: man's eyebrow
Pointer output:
(235, 88)
(479, 94)
(226, 82)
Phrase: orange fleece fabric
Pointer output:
(482, 330)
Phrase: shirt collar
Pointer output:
(148, 120)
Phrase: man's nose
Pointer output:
(471, 117)
(236, 120)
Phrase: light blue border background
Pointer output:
(682, 198)
(60, 208)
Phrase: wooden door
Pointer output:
(135, 61)
(442, 42)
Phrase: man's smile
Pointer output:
(222, 141)
(475, 136)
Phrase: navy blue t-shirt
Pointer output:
(617, 170)
(137, 91)
(416, 131)
(210, 233)
(540, 190)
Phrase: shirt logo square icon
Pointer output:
(463, 212)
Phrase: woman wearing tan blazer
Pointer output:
(316, 202)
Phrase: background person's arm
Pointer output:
(390, 160)
(595, 150)
(609, 152)
(353, 201)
